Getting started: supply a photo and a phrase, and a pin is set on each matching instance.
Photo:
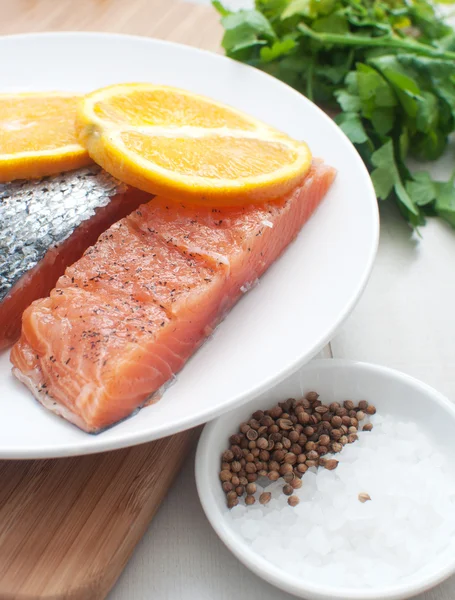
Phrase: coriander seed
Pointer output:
(288, 489)
(293, 501)
(233, 502)
(285, 468)
(239, 490)
(367, 427)
(254, 423)
(330, 464)
(274, 465)
(296, 483)
(348, 404)
(371, 410)
(265, 498)
(296, 449)
(293, 437)
(228, 456)
(225, 475)
(288, 477)
(237, 452)
(251, 489)
(324, 440)
(266, 421)
(262, 443)
(227, 486)
(290, 458)
(276, 412)
(363, 404)
(364, 497)
(264, 455)
(286, 443)
(274, 475)
(250, 500)
(336, 421)
(285, 424)
(235, 480)
(225, 466)
(360, 415)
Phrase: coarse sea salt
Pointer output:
(331, 537)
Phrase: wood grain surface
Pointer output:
(68, 526)
(183, 22)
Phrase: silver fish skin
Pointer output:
(38, 214)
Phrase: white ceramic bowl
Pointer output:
(392, 392)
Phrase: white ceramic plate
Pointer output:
(277, 326)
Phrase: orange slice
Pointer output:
(188, 147)
(37, 135)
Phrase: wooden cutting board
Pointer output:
(68, 526)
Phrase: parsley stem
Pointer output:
(384, 41)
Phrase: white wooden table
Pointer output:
(405, 320)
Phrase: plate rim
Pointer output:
(133, 439)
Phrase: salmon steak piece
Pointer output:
(124, 319)
(47, 224)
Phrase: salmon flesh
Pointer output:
(124, 319)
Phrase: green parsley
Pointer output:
(387, 67)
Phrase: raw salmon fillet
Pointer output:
(126, 316)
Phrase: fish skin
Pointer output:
(38, 214)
